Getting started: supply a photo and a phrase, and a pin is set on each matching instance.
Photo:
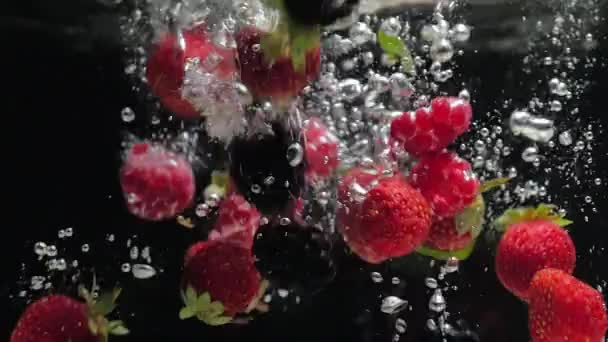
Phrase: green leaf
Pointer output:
(93, 327)
(303, 39)
(542, 212)
(461, 254)
(186, 312)
(407, 63)
(215, 309)
(117, 328)
(562, 222)
(220, 320)
(84, 293)
(203, 302)
(493, 183)
(471, 219)
(191, 297)
(104, 305)
(392, 45)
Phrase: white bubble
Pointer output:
(437, 302)
(377, 277)
(142, 271)
(127, 114)
(40, 248)
(392, 305)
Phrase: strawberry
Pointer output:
(445, 236)
(157, 183)
(167, 64)
(321, 150)
(392, 220)
(237, 222)
(58, 318)
(563, 308)
(280, 64)
(533, 241)
(446, 181)
(432, 129)
(220, 281)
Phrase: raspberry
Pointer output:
(157, 183)
(432, 129)
(321, 149)
(237, 222)
(446, 181)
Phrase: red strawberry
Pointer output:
(529, 245)
(432, 129)
(220, 281)
(157, 184)
(321, 150)
(392, 221)
(563, 308)
(445, 237)
(59, 318)
(278, 75)
(237, 222)
(446, 181)
(166, 67)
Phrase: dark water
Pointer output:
(64, 88)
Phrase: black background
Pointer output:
(63, 89)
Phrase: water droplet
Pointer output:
(127, 114)
(360, 33)
(349, 89)
(400, 325)
(431, 283)
(134, 253)
(51, 250)
(142, 271)
(256, 188)
(126, 267)
(40, 248)
(85, 248)
(392, 305)
(295, 154)
(442, 51)
(437, 302)
(565, 138)
(461, 32)
(377, 277)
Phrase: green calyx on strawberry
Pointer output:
(97, 309)
(203, 308)
(289, 39)
(456, 237)
(544, 212)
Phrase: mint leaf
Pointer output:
(392, 45)
(493, 183)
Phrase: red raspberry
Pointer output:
(157, 183)
(445, 237)
(321, 150)
(392, 221)
(446, 181)
(237, 222)
(432, 129)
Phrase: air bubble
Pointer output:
(437, 302)
(51, 250)
(127, 114)
(85, 248)
(142, 271)
(126, 267)
(377, 277)
(392, 305)
(442, 51)
(360, 33)
(295, 154)
(400, 326)
(431, 283)
(40, 248)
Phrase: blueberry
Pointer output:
(268, 168)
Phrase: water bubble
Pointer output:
(61, 233)
(556, 106)
(598, 181)
(429, 33)
(37, 283)
(155, 120)
(379, 83)
(134, 253)
(142, 271)
(69, 232)
(349, 89)
(256, 188)
(127, 114)
(532, 127)
(360, 33)
(391, 26)
(377, 277)
(269, 180)
(85, 248)
(40, 248)
(126, 267)
(437, 302)
(565, 138)
(61, 265)
(530, 154)
(548, 61)
(51, 250)
(400, 326)
(431, 283)
(392, 305)
(588, 199)
(295, 154)
(442, 51)
(431, 325)
(461, 32)
(400, 86)
(202, 210)
(464, 95)
(284, 221)
(451, 265)
(130, 69)
(395, 281)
